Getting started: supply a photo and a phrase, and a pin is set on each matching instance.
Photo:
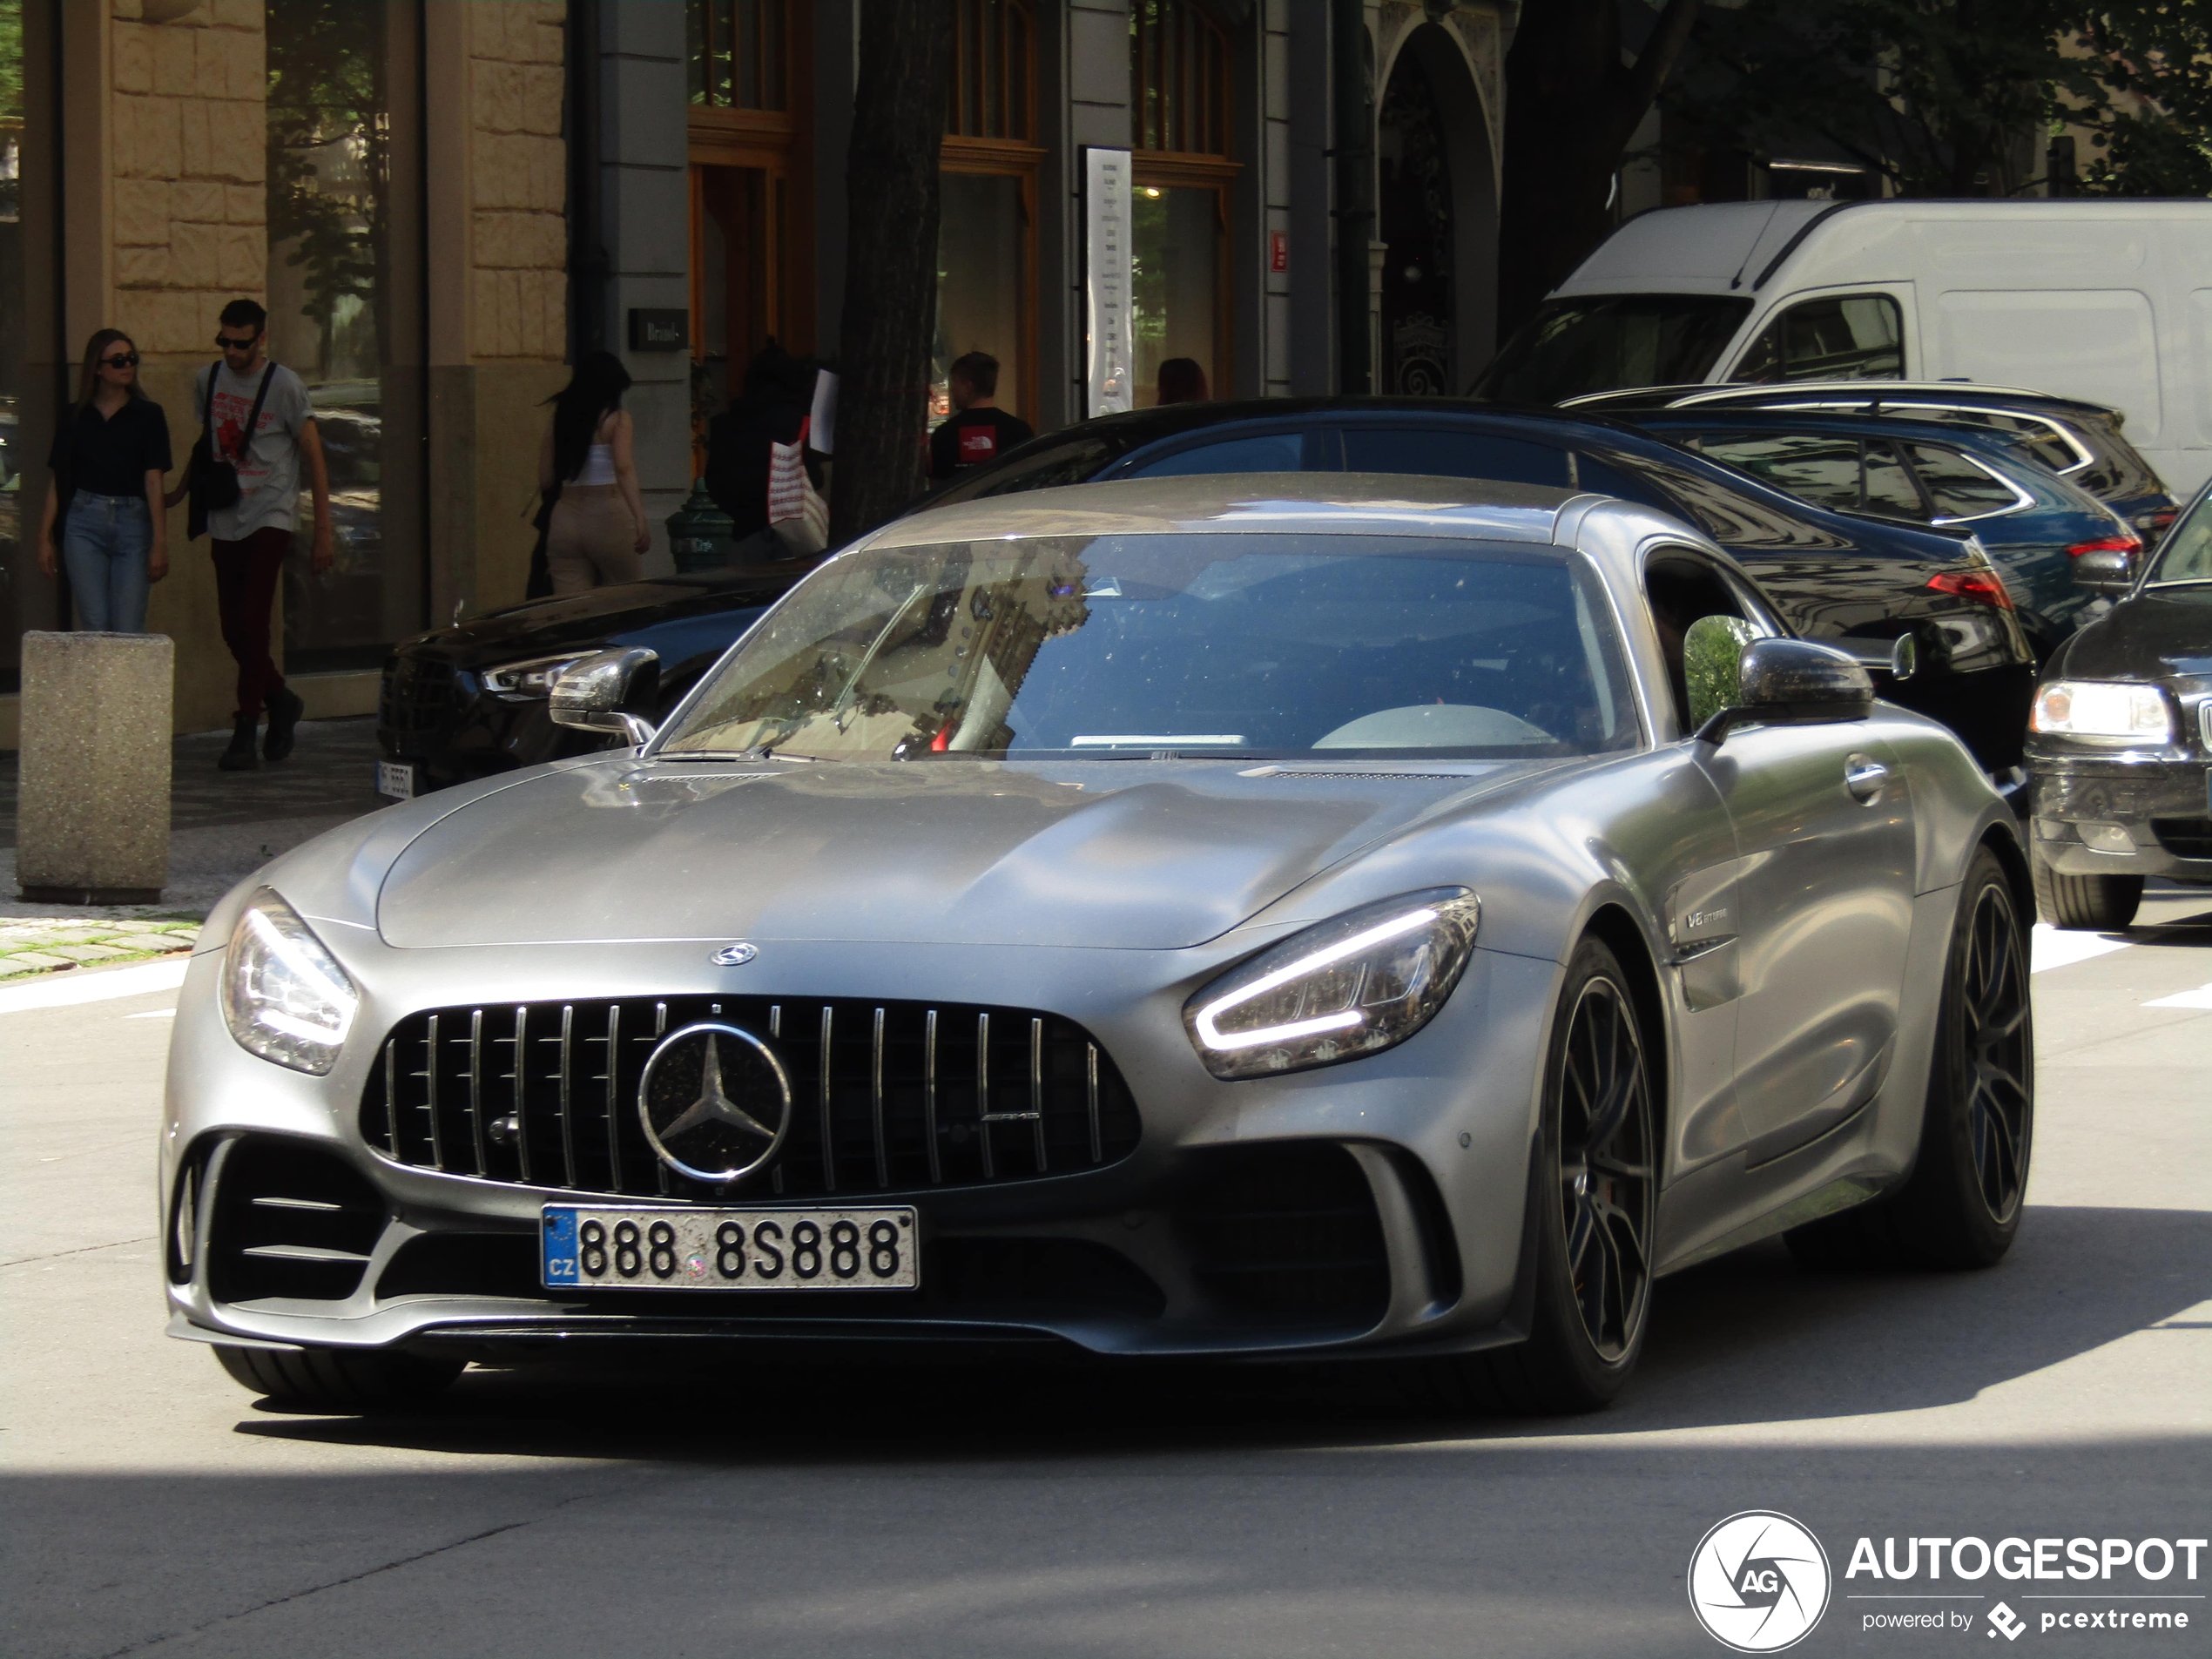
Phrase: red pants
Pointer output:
(246, 584)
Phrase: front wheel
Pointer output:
(2103, 904)
(337, 1379)
(1597, 1190)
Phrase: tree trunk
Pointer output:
(1571, 108)
(899, 105)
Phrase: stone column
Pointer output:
(92, 812)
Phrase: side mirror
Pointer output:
(604, 691)
(2106, 570)
(1905, 658)
(1794, 681)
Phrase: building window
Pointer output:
(1183, 172)
(752, 213)
(987, 244)
(345, 314)
(739, 54)
(27, 378)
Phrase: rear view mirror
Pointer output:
(603, 693)
(2106, 570)
(1794, 681)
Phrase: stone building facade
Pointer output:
(442, 201)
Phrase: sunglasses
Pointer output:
(229, 344)
(122, 360)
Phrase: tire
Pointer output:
(1597, 1163)
(2103, 904)
(335, 1379)
(1960, 1207)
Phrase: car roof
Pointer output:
(1310, 502)
(1706, 417)
(1956, 393)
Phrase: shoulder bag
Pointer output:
(213, 483)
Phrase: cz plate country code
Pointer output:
(731, 1249)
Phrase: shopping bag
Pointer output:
(797, 512)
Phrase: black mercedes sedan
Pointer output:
(464, 702)
(1847, 579)
(2119, 743)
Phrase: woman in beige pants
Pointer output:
(598, 533)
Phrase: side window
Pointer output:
(1682, 589)
(1823, 471)
(1736, 518)
(1889, 489)
(1960, 486)
(1256, 452)
(1444, 453)
(1842, 337)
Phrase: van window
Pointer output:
(1840, 337)
(1598, 342)
(1449, 454)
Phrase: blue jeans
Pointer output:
(104, 547)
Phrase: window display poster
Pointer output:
(1106, 285)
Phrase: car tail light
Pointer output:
(1982, 586)
(2122, 543)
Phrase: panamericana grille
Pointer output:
(884, 1095)
(417, 693)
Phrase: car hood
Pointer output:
(1127, 854)
(2159, 634)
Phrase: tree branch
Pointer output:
(1669, 36)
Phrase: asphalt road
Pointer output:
(149, 1507)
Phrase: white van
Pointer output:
(2109, 301)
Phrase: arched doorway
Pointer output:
(1438, 216)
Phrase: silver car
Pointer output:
(1247, 917)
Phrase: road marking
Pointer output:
(96, 985)
(2050, 948)
(2199, 998)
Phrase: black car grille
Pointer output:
(884, 1095)
(416, 695)
(2185, 838)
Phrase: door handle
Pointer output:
(1865, 777)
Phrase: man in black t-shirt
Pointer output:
(978, 430)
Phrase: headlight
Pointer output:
(1364, 982)
(285, 996)
(2103, 709)
(531, 679)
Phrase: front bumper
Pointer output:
(2137, 813)
(1375, 1206)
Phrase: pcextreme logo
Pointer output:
(1758, 1581)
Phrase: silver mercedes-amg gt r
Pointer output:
(1314, 915)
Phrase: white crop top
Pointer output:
(599, 466)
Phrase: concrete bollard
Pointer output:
(92, 801)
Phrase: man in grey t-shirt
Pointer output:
(251, 537)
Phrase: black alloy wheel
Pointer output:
(1992, 1007)
(1605, 1168)
(1593, 1204)
(1961, 1205)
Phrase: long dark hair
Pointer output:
(593, 392)
(96, 349)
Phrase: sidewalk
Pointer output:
(223, 827)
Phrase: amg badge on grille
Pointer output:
(735, 955)
(715, 1102)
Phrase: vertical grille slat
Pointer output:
(887, 1105)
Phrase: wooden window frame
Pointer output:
(1019, 158)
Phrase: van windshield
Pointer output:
(1603, 342)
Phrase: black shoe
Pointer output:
(285, 709)
(239, 757)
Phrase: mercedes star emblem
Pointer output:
(735, 955)
(715, 1102)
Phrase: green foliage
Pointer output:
(10, 60)
(1949, 98)
(328, 152)
(1712, 653)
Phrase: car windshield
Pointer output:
(1601, 342)
(1113, 646)
(2185, 555)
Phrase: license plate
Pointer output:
(395, 778)
(731, 1249)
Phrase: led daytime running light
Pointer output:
(1210, 1033)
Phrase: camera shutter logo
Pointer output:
(1758, 1581)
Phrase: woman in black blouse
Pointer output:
(103, 514)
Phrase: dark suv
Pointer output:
(1838, 577)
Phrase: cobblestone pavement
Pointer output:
(223, 827)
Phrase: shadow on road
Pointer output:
(1745, 1340)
